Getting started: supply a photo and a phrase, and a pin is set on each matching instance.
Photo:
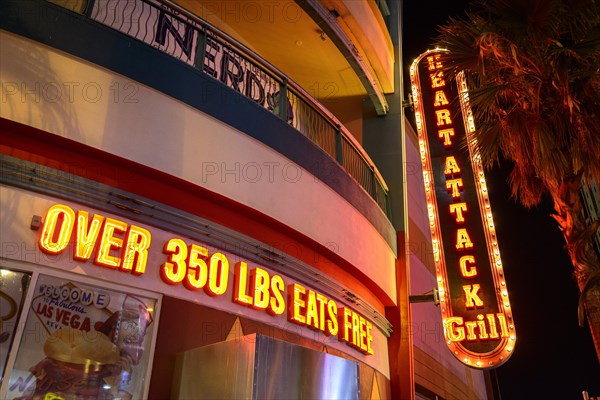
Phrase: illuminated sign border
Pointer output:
(504, 349)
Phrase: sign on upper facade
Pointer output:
(125, 248)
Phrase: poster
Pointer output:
(13, 287)
(82, 342)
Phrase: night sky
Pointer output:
(554, 358)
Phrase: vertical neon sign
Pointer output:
(478, 323)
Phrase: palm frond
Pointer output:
(534, 86)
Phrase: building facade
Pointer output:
(207, 199)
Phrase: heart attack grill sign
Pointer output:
(478, 324)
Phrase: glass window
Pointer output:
(13, 287)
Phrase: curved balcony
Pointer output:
(187, 38)
(179, 100)
(188, 126)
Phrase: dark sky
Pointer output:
(554, 358)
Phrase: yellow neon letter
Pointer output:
(240, 284)
(312, 313)
(471, 297)
(173, 271)
(322, 302)
(332, 323)
(346, 324)
(503, 326)
(443, 117)
(57, 214)
(277, 303)
(260, 288)
(218, 275)
(481, 325)
(458, 208)
(295, 292)
(108, 242)
(451, 166)
(453, 186)
(437, 79)
(455, 334)
(433, 62)
(492, 323)
(446, 134)
(355, 330)
(369, 338)
(197, 270)
(363, 333)
(439, 98)
(470, 325)
(87, 235)
(136, 250)
(467, 271)
(463, 241)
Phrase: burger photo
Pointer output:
(76, 365)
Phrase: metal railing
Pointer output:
(383, 7)
(173, 30)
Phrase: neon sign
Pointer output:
(477, 318)
(122, 247)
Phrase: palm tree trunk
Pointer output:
(579, 239)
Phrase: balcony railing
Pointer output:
(175, 31)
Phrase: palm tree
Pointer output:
(533, 71)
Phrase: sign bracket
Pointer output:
(434, 297)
